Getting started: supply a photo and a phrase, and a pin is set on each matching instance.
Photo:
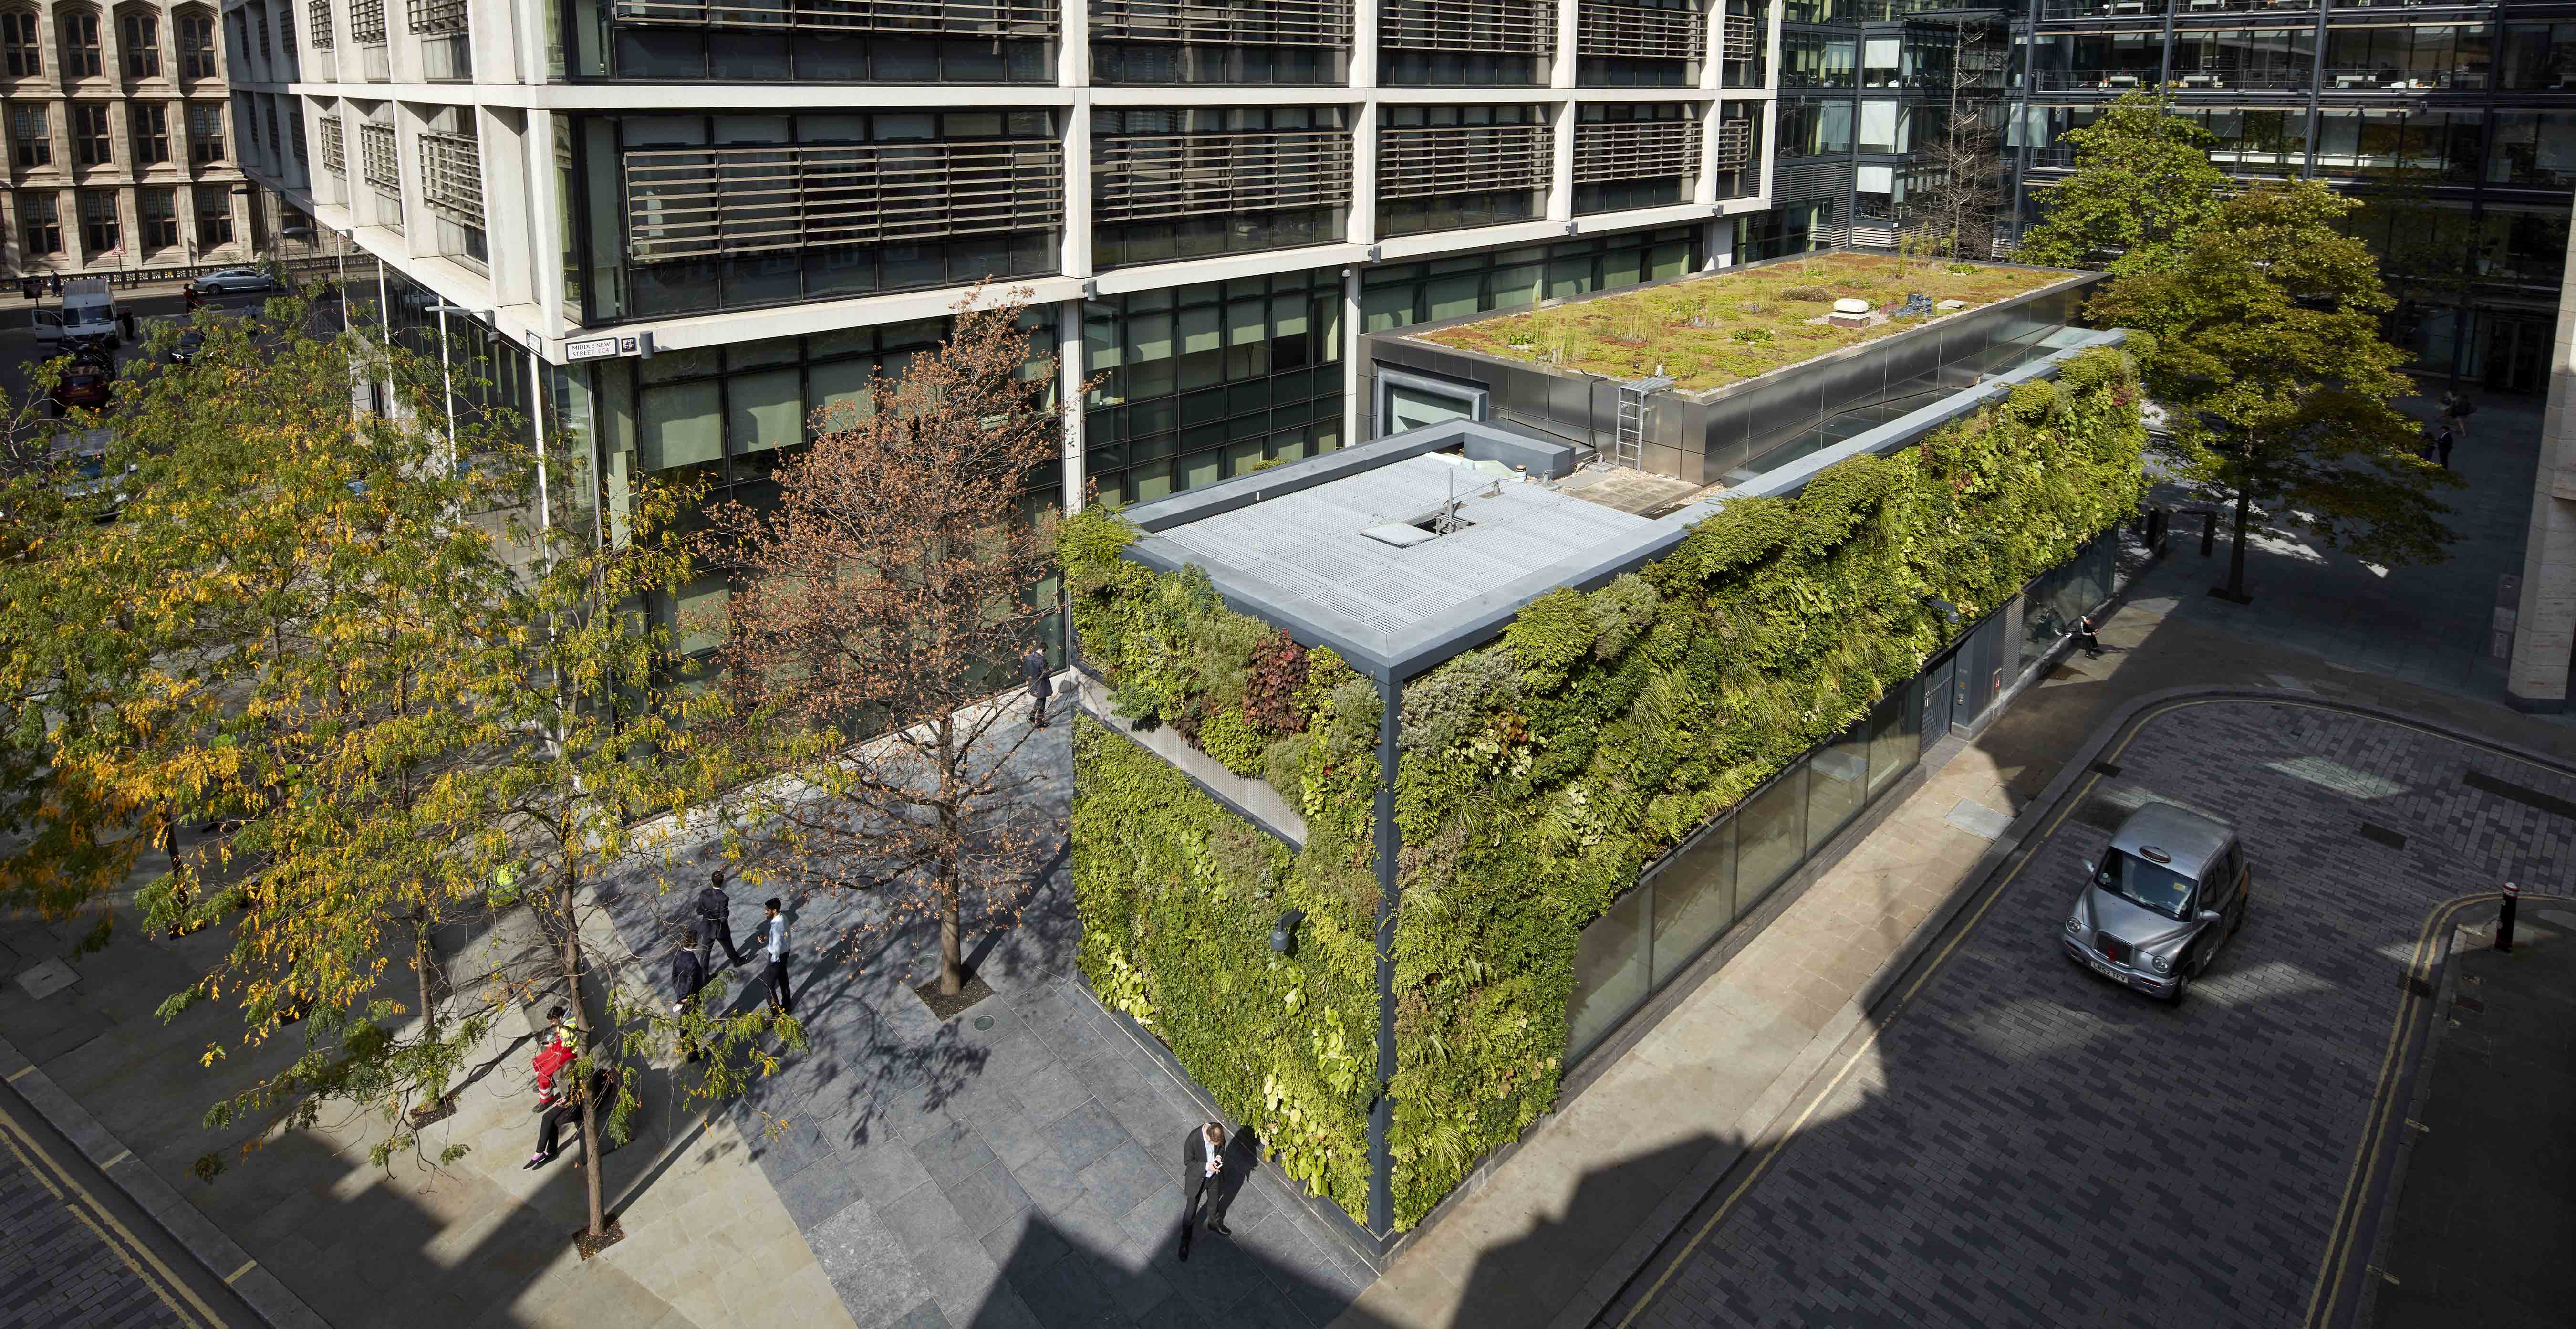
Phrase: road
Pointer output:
(2018, 1142)
(20, 353)
(80, 1254)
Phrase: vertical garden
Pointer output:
(1536, 775)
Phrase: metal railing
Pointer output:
(1608, 27)
(1635, 150)
(431, 18)
(451, 176)
(1239, 23)
(317, 24)
(367, 22)
(1426, 161)
(1522, 27)
(1741, 39)
(376, 164)
(335, 151)
(987, 18)
(702, 202)
(1734, 144)
(1146, 177)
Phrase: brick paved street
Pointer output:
(56, 1270)
(2028, 1144)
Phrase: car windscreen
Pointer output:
(2140, 882)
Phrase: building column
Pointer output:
(1068, 377)
(2544, 627)
(1560, 176)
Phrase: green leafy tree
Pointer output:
(2142, 180)
(2268, 361)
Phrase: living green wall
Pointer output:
(1539, 774)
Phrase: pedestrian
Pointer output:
(2456, 410)
(2085, 628)
(1041, 686)
(601, 1089)
(58, 286)
(774, 948)
(688, 974)
(2442, 445)
(715, 923)
(553, 1054)
(1202, 1173)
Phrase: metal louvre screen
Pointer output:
(1743, 38)
(433, 17)
(1734, 144)
(335, 152)
(1427, 161)
(451, 176)
(317, 23)
(1641, 150)
(376, 158)
(990, 18)
(1640, 31)
(1146, 177)
(1249, 23)
(701, 202)
(367, 22)
(1520, 27)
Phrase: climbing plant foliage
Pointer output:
(1536, 777)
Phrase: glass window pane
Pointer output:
(1895, 731)
(1694, 899)
(1609, 974)
(680, 426)
(837, 383)
(1837, 784)
(767, 410)
(1770, 837)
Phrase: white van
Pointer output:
(87, 317)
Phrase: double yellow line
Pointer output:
(2341, 1242)
(136, 1256)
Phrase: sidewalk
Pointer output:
(1559, 1226)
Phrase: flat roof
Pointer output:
(1316, 550)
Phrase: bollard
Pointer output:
(2504, 920)
(2209, 533)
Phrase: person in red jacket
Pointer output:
(554, 1053)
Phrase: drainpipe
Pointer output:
(1381, 1197)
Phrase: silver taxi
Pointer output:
(2172, 888)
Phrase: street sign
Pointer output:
(599, 348)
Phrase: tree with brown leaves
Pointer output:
(882, 604)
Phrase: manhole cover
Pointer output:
(983, 1022)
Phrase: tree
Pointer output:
(2142, 180)
(1956, 212)
(888, 594)
(2267, 358)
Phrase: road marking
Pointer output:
(23, 1070)
(2338, 1245)
(125, 1244)
(121, 1156)
(235, 1276)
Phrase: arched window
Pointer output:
(80, 44)
(196, 44)
(140, 32)
(18, 38)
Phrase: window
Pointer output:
(40, 224)
(80, 44)
(99, 234)
(93, 144)
(196, 45)
(32, 131)
(367, 22)
(1216, 180)
(286, 29)
(431, 17)
(263, 47)
(151, 133)
(205, 133)
(295, 128)
(276, 141)
(18, 37)
(335, 152)
(318, 22)
(140, 31)
(160, 212)
(214, 206)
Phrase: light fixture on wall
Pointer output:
(1572, 227)
(1283, 938)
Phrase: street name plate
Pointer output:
(598, 348)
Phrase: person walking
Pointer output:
(2085, 628)
(2456, 410)
(773, 946)
(715, 923)
(1033, 666)
(2442, 440)
(1202, 1182)
(688, 974)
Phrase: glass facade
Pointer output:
(1180, 184)
(2051, 604)
(1396, 295)
(1198, 383)
(806, 41)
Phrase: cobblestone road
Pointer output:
(2029, 1144)
(57, 1270)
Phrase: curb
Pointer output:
(206, 1243)
(2365, 1308)
(1767, 1117)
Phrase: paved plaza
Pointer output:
(2028, 1144)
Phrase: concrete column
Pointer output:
(1363, 222)
(1569, 26)
(514, 243)
(545, 204)
(1076, 132)
(2544, 629)
(1364, 30)
(1073, 45)
(1355, 377)
(1560, 177)
(1069, 376)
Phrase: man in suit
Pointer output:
(1033, 667)
(1203, 1182)
(715, 923)
(688, 974)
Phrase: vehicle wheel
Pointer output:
(2182, 985)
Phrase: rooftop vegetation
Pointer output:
(1726, 327)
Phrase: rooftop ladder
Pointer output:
(1628, 446)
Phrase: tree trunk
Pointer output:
(952, 952)
(581, 1024)
(2236, 556)
(421, 960)
(590, 1160)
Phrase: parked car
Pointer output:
(84, 383)
(189, 343)
(232, 281)
(2172, 888)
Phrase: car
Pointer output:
(234, 280)
(190, 342)
(2172, 888)
(84, 384)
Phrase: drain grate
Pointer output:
(2382, 835)
(2110, 769)
(2523, 794)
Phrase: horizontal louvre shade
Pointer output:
(1643, 150)
(1610, 28)
(995, 18)
(1743, 38)
(451, 176)
(1734, 144)
(1249, 23)
(700, 202)
(376, 158)
(1423, 162)
(1520, 27)
(433, 17)
(1148, 177)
